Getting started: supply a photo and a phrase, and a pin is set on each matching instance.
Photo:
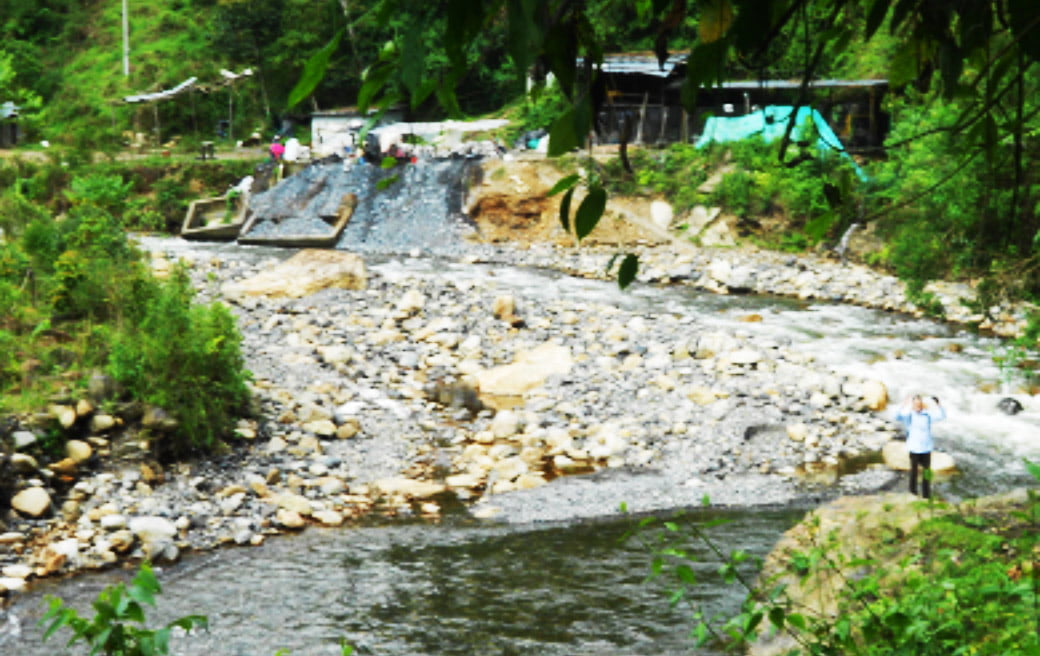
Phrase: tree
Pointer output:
(978, 57)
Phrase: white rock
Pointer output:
(661, 214)
(797, 432)
(17, 571)
(329, 517)
(78, 451)
(409, 488)
(155, 533)
(411, 302)
(23, 439)
(32, 501)
(65, 414)
(113, 522)
(12, 584)
(505, 424)
(101, 423)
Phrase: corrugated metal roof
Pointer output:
(642, 64)
(647, 64)
(794, 84)
(8, 110)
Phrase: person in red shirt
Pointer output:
(277, 149)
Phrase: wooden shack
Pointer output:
(647, 93)
(9, 130)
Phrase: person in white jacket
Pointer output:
(918, 423)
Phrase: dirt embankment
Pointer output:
(510, 203)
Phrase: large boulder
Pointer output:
(529, 370)
(851, 527)
(305, 273)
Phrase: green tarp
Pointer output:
(770, 123)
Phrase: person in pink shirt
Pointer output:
(277, 149)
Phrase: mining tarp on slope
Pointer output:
(422, 208)
(770, 123)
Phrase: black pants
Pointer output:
(924, 460)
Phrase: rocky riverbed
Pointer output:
(368, 403)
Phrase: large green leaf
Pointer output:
(715, 20)
(313, 72)
(1025, 24)
(562, 136)
(413, 58)
(589, 212)
(563, 184)
(628, 270)
(565, 209)
(877, 14)
(523, 32)
(374, 81)
(561, 55)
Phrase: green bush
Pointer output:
(185, 359)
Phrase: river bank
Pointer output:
(628, 404)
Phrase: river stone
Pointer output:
(101, 422)
(101, 387)
(78, 451)
(409, 488)
(321, 428)
(289, 518)
(329, 517)
(875, 394)
(661, 214)
(157, 418)
(113, 522)
(897, 457)
(504, 307)
(84, 408)
(155, 533)
(505, 424)
(797, 432)
(529, 370)
(411, 302)
(1009, 406)
(851, 526)
(23, 463)
(303, 274)
(23, 439)
(295, 503)
(12, 584)
(701, 395)
(65, 467)
(464, 480)
(32, 501)
(64, 414)
(17, 571)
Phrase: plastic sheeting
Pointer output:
(770, 123)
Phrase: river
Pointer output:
(464, 586)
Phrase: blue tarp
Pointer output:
(770, 123)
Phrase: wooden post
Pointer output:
(642, 118)
(684, 129)
(664, 121)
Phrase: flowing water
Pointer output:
(464, 587)
(467, 587)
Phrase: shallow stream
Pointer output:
(463, 586)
